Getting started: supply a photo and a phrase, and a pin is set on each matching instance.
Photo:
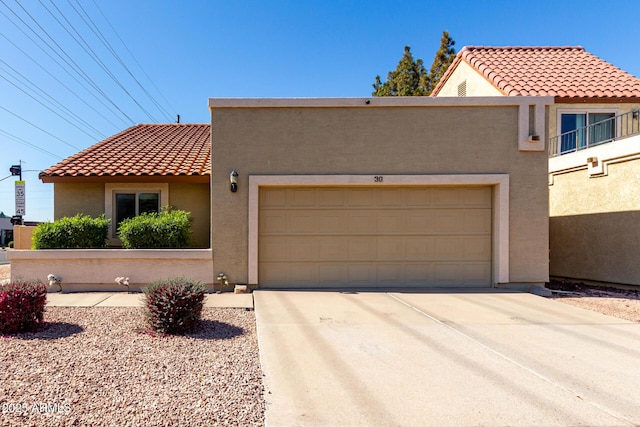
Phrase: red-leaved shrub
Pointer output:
(174, 306)
(22, 306)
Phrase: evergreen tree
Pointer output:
(410, 78)
(405, 80)
(441, 62)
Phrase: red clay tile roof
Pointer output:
(144, 150)
(566, 72)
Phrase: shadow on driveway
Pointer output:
(443, 357)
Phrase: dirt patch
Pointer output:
(620, 303)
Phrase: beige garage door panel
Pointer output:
(421, 236)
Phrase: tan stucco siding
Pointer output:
(89, 199)
(194, 198)
(476, 85)
(72, 199)
(376, 141)
(595, 224)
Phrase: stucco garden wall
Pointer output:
(22, 235)
(594, 213)
(96, 269)
(376, 139)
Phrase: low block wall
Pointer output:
(22, 235)
(86, 270)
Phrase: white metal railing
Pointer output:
(611, 129)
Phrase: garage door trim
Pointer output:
(499, 182)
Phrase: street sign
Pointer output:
(20, 198)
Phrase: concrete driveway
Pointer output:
(444, 359)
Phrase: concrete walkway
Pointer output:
(124, 299)
(444, 359)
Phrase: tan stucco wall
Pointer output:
(96, 269)
(71, 199)
(89, 198)
(477, 85)
(22, 235)
(194, 198)
(595, 224)
(376, 141)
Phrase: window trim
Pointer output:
(587, 111)
(110, 191)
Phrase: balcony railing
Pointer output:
(614, 128)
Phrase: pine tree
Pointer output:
(410, 78)
(443, 59)
(405, 80)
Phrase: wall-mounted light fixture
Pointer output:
(233, 177)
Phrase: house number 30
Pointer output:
(378, 178)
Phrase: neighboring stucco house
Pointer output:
(393, 192)
(139, 170)
(6, 230)
(594, 149)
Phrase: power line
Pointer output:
(40, 92)
(89, 51)
(96, 31)
(30, 24)
(27, 143)
(133, 57)
(65, 69)
(39, 128)
(68, 60)
(37, 63)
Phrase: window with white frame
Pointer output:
(124, 201)
(581, 129)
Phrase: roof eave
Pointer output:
(595, 100)
(83, 179)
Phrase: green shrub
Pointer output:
(10, 244)
(22, 306)
(169, 228)
(78, 232)
(174, 306)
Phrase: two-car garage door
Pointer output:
(374, 236)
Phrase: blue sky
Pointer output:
(182, 53)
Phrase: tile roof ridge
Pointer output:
(142, 150)
(467, 54)
(516, 47)
(172, 124)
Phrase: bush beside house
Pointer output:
(169, 228)
(77, 232)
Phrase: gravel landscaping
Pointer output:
(623, 303)
(95, 366)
